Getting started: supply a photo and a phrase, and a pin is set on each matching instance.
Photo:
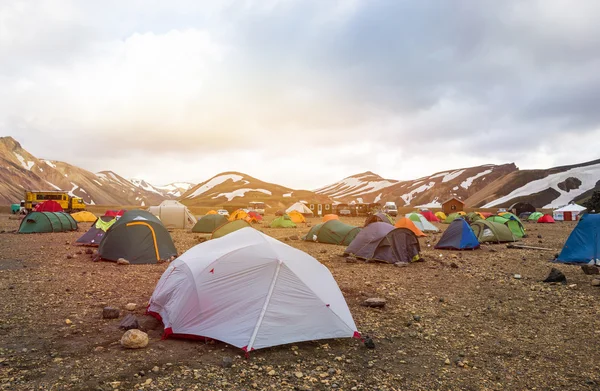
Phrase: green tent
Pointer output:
(535, 216)
(41, 222)
(332, 232)
(15, 208)
(472, 217)
(230, 227)
(207, 224)
(489, 231)
(451, 217)
(514, 224)
(283, 222)
(139, 237)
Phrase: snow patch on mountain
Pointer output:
(409, 196)
(25, 165)
(240, 193)
(73, 189)
(53, 185)
(215, 182)
(378, 198)
(451, 176)
(354, 186)
(48, 162)
(469, 181)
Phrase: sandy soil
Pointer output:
(458, 321)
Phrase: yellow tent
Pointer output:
(211, 212)
(238, 215)
(297, 217)
(84, 217)
(441, 215)
(462, 213)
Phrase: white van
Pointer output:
(390, 208)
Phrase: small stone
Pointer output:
(375, 302)
(417, 318)
(556, 275)
(447, 362)
(68, 321)
(453, 265)
(130, 306)
(122, 261)
(110, 313)
(89, 251)
(134, 339)
(271, 372)
(155, 369)
(539, 236)
(227, 362)
(596, 282)
(590, 269)
(369, 344)
(323, 251)
(299, 375)
(129, 322)
(98, 349)
(294, 237)
(69, 256)
(517, 276)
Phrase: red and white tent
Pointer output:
(251, 291)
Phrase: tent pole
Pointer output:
(264, 309)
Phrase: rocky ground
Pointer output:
(458, 321)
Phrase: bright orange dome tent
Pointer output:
(405, 222)
(329, 217)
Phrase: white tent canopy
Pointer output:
(173, 214)
(568, 212)
(424, 225)
(300, 207)
(251, 291)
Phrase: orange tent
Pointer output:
(297, 217)
(211, 212)
(328, 217)
(405, 222)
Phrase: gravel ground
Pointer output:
(458, 321)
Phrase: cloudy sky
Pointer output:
(301, 93)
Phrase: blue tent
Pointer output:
(583, 244)
(458, 236)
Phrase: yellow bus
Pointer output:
(67, 202)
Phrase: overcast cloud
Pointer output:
(301, 93)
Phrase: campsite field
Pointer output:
(457, 321)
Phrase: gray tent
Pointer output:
(379, 217)
(382, 242)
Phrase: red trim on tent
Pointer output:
(168, 333)
(212, 271)
(357, 335)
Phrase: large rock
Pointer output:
(110, 313)
(134, 339)
(129, 322)
(556, 276)
(375, 302)
(590, 269)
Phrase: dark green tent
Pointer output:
(511, 222)
(332, 232)
(229, 228)
(283, 222)
(41, 222)
(209, 223)
(139, 237)
(489, 231)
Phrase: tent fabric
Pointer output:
(332, 232)
(297, 217)
(139, 237)
(238, 215)
(84, 217)
(48, 206)
(301, 208)
(96, 233)
(208, 223)
(488, 231)
(379, 217)
(441, 215)
(173, 214)
(430, 216)
(451, 217)
(474, 216)
(283, 222)
(405, 222)
(329, 217)
(422, 223)
(228, 228)
(458, 236)
(486, 214)
(115, 213)
(524, 215)
(44, 222)
(250, 291)
(546, 219)
(583, 244)
(513, 223)
(382, 242)
(534, 216)
(573, 209)
(212, 212)
(255, 215)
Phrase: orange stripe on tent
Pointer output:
(405, 222)
(153, 235)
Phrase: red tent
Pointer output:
(546, 219)
(430, 216)
(486, 214)
(48, 206)
(114, 213)
(257, 216)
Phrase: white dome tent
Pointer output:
(251, 291)
(299, 207)
(173, 214)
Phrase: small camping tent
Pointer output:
(239, 214)
(332, 232)
(287, 296)
(230, 227)
(96, 233)
(253, 217)
(380, 241)
(381, 217)
(173, 214)
(115, 213)
(430, 216)
(546, 219)
(48, 206)
(583, 244)
(458, 236)
(296, 217)
(569, 212)
(84, 217)
(283, 222)
(139, 237)
(208, 223)
(212, 212)
(405, 222)
(521, 207)
(534, 216)
(301, 208)
(488, 231)
(511, 222)
(328, 217)
(441, 215)
(422, 223)
(471, 217)
(451, 217)
(44, 222)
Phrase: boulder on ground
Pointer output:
(556, 276)
(129, 322)
(590, 269)
(134, 339)
(110, 313)
(375, 302)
